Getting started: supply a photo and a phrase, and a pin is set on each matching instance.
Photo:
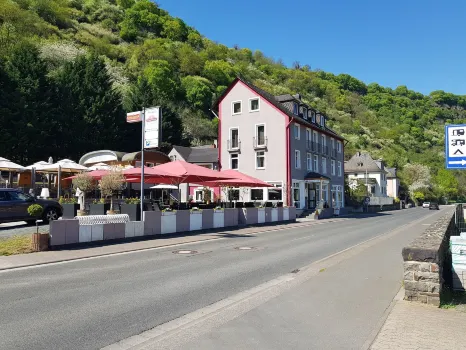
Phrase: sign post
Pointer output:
(455, 146)
(150, 119)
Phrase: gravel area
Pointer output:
(19, 228)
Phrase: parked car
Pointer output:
(426, 205)
(433, 206)
(14, 207)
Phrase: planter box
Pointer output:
(98, 209)
(286, 214)
(168, 223)
(219, 219)
(134, 229)
(70, 210)
(152, 223)
(274, 214)
(230, 217)
(133, 211)
(260, 215)
(195, 221)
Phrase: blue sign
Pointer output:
(455, 146)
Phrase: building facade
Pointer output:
(393, 183)
(362, 169)
(282, 141)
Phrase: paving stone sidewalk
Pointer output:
(414, 326)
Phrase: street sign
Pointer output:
(133, 117)
(152, 127)
(455, 146)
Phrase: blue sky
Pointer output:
(418, 43)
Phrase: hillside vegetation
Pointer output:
(71, 69)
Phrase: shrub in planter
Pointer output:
(70, 207)
(109, 184)
(132, 207)
(98, 207)
(40, 241)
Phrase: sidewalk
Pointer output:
(413, 326)
(83, 251)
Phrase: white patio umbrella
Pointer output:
(100, 166)
(64, 165)
(7, 165)
(165, 187)
(38, 165)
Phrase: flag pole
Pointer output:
(143, 117)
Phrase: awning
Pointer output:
(315, 176)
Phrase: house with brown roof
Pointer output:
(283, 141)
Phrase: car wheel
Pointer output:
(51, 214)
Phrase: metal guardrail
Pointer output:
(102, 219)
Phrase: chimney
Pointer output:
(298, 96)
(215, 143)
(380, 163)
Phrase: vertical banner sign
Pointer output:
(455, 146)
(152, 127)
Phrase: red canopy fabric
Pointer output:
(96, 174)
(238, 179)
(151, 175)
(184, 172)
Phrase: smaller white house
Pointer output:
(362, 169)
(393, 183)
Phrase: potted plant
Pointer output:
(70, 207)
(98, 207)
(83, 183)
(132, 207)
(207, 195)
(40, 241)
(316, 214)
(109, 184)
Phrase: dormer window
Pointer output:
(295, 108)
(305, 113)
(313, 116)
(322, 121)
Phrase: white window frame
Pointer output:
(295, 108)
(313, 116)
(297, 136)
(259, 104)
(233, 107)
(255, 160)
(339, 144)
(273, 183)
(231, 136)
(324, 165)
(323, 140)
(308, 132)
(316, 163)
(332, 141)
(315, 137)
(332, 167)
(309, 161)
(305, 113)
(257, 134)
(339, 169)
(231, 160)
(297, 159)
(254, 199)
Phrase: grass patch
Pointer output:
(322, 270)
(15, 245)
(449, 299)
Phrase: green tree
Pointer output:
(447, 183)
(36, 115)
(198, 91)
(93, 116)
(220, 72)
(142, 18)
(175, 29)
(162, 80)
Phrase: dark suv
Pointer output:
(433, 206)
(14, 207)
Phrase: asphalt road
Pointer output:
(93, 303)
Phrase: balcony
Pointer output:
(233, 145)
(259, 142)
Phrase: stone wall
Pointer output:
(427, 261)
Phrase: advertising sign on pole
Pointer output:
(152, 127)
(455, 146)
(133, 117)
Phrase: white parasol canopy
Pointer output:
(165, 187)
(100, 166)
(66, 166)
(7, 165)
(38, 166)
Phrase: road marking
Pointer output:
(204, 319)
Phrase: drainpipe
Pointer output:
(288, 165)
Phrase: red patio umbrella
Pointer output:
(96, 174)
(238, 179)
